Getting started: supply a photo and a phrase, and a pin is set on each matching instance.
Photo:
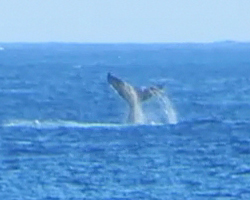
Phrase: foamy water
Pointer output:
(54, 124)
(168, 108)
(138, 116)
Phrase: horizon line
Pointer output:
(69, 42)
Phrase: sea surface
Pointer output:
(63, 130)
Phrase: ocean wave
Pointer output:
(16, 91)
(53, 124)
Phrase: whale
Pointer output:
(134, 97)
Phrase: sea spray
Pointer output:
(167, 107)
(136, 113)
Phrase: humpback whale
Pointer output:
(133, 96)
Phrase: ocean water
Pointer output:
(63, 133)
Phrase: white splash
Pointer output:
(168, 108)
(52, 124)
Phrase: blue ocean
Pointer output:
(63, 130)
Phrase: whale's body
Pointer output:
(133, 96)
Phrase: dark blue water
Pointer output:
(62, 133)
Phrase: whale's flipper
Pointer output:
(128, 92)
(133, 96)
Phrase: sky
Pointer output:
(124, 21)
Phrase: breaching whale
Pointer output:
(133, 96)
